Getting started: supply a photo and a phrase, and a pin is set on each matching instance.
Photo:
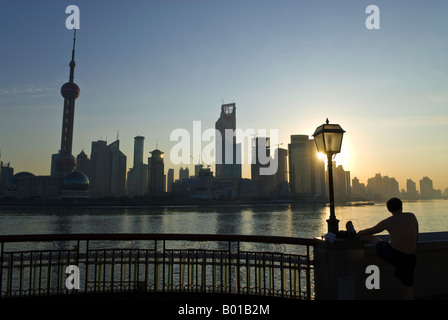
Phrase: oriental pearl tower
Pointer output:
(64, 161)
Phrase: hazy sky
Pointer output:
(149, 67)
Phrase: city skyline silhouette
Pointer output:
(283, 69)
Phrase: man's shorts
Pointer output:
(404, 263)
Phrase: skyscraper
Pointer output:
(341, 183)
(427, 190)
(83, 164)
(184, 173)
(64, 162)
(108, 169)
(306, 170)
(411, 190)
(261, 148)
(359, 191)
(157, 173)
(281, 176)
(170, 180)
(227, 165)
(137, 183)
(382, 187)
(6, 174)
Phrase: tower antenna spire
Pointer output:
(72, 62)
(65, 162)
(74, 41)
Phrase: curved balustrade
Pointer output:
(34, 265)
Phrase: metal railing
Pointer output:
(35, 265)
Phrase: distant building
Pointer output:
(445, 194)
(411, 190)
(281, 176)
(205, 188)
(227, 166)
(27, 185)
(157, 173)
(184, 173)
(427, 190)
(6, 174)
(382, 188)
(170, 180)
(201, 186)
(261, 152)
(358, 190)
(137, 182)
(341, 183)
(197, 168)
(306, 170)
(108, 170)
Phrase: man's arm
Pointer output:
(380, 227)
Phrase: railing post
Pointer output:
(308, 273)
(230, 267)
(163, 267)
(1, 269)
(237, 271)
(86, 282)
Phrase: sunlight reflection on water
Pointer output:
(296, 220)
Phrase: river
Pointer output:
(291, 220)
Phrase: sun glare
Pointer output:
(321, 155)
(343, 158)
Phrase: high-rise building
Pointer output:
(227, 165)
(411, 190)
(306, 170)
(358, 190)
(108, 169)
(64, 162)
(184, 173)
(83, 164)
(170, 180)
(6, 174)
(117, 169)
(341, 183)
(281, 176)
(261, 153)
(427, 190)
(157, 173)
(137, 182)
(382, 187)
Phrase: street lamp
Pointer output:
(328, 139)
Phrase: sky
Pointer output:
(150, 67)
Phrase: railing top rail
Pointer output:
(155, 236)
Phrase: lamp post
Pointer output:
(328, 139)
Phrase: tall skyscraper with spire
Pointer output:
(64, 162)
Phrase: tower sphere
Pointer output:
(65, 160)
(76, 180)
(70, 90)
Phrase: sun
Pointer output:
(344, 158)
(321, 156)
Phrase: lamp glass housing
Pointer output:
(328, 138)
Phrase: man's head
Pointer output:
(394, 205)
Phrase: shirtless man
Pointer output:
(400, 250)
